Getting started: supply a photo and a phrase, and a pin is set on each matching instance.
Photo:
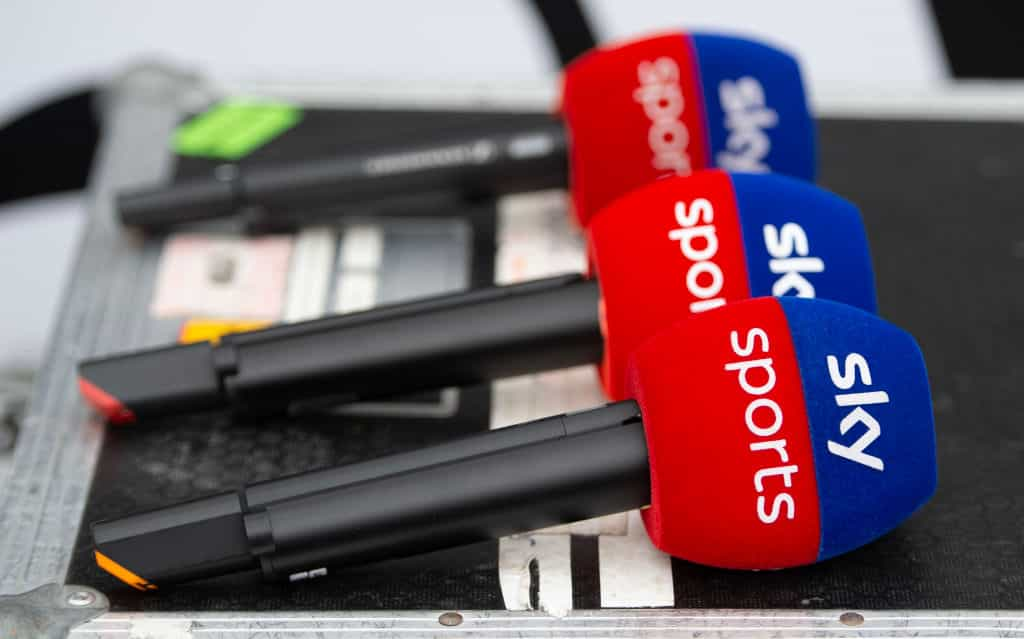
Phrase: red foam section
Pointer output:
(655, 267)
(105, 404)
(634, 113)
(706, 457)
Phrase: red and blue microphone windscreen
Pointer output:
(782, 431)
(675, 103)
(755, 106)
(686, 245)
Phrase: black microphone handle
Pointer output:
(477, 165)
(455, 340)
(462, 501)
(432, 343)
(550, 471)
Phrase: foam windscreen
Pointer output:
(756, 107)
(782, 431)
(675, 103)
(686, 245)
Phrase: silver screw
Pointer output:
(450, 619)
(851, 619)
(81, 598)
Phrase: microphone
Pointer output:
(674, 247)
(631, 113)
(766, 434)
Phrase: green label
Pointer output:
(234, 128)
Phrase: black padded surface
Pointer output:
(942, 204)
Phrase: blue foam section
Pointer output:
(860, 502)
(834, 235)
(782, 119)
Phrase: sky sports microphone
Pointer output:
(632, 113)
(674, 247)
(789, 430)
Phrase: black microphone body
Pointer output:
(450, 340)
(550, 471)
(530, 158)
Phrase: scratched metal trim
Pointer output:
(52, 466)
(596, 624)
